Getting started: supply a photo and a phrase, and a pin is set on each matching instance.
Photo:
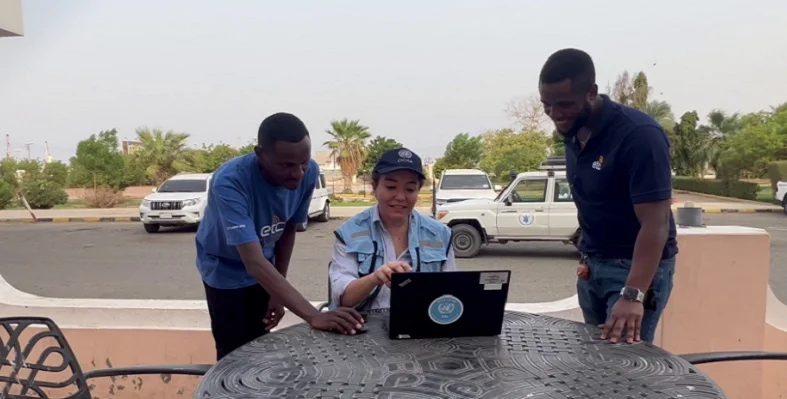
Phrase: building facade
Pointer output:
(11, 18)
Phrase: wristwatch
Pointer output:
(632, 294)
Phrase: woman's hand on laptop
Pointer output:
(383, 274)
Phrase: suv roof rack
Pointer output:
(553, 163)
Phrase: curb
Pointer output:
(747, 210)
(75, 220)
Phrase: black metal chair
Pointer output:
(25, 366)
(324, 306)
(715, 357)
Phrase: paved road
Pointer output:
(120, 260)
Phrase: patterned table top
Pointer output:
(535, 357)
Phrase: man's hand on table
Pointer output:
(342, 320)
(273, 316)
(626, 314)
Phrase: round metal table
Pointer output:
(534, 357)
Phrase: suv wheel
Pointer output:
(784, 204)
(467, 241)
(151, 228)
(326, 213)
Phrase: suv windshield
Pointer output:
(465, 182)
(183, 186)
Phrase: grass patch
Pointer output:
(81, 204)
(765, 194)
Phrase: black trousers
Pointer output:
(236, 316)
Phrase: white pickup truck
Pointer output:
(536, 206)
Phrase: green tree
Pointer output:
(640, 91)
(375, 150)
(505, 150)
(32, 169)
(762, 138)
(635, 92)
(43, 194)
(463, 152)
(98, 162)
(247, 149)
(8, 172)
(56, 172)
(135, 171)
(348, 145)
(661, 111)
(557, 145)
(163, 153)
(689, 146)
(208, 158)
(720, 126)
(7, 194)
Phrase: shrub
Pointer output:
(43, 194)
(334, 198)
(6, 194)
(102, 197)
(725, 188)
(777, 171)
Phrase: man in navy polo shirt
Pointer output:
(618, 166)
(246, 238)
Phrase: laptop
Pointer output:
(447, 304)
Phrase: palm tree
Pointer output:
(661, 111)
(348, 145)
(720, 126)
(163, 153)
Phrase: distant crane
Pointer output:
(49, 158)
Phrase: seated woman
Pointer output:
(390, 237)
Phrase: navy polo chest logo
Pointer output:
(597, 164)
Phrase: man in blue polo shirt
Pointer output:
(246, 238)
(618, 167)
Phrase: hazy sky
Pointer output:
(417, 71)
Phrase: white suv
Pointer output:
(320, 205)
(457, 185)
(536, 206)
(781, 190)
(181, 200)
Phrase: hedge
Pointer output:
(735, 189)
(777, 171)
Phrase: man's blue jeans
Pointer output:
(598, 294)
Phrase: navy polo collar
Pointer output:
(604, 118)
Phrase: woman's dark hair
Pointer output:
(376, 180)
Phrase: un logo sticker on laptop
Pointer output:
(446, 309)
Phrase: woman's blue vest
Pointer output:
(430, 241)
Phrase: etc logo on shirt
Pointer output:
(276, 227)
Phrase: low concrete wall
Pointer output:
(721, 301)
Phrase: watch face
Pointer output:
(629, 294)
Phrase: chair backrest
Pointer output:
(36, 361)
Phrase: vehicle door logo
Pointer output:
(446, 309)
(526, 219)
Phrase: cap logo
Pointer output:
(405, 154)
